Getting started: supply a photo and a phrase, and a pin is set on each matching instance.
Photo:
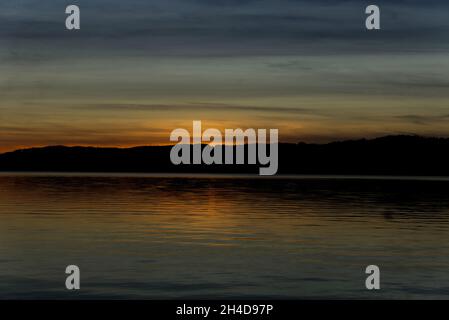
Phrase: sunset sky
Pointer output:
(139, 69)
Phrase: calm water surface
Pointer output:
(163, 237)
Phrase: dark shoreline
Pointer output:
(386, 156)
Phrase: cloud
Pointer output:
(424, 119)
(230, 27)
(209, 107)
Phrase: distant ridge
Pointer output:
(390, 155)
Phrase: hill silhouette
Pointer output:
(390, 155)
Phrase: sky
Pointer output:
(139, 69)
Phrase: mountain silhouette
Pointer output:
(390, 155)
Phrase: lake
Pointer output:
(191, 236)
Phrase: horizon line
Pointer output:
(191, 144)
